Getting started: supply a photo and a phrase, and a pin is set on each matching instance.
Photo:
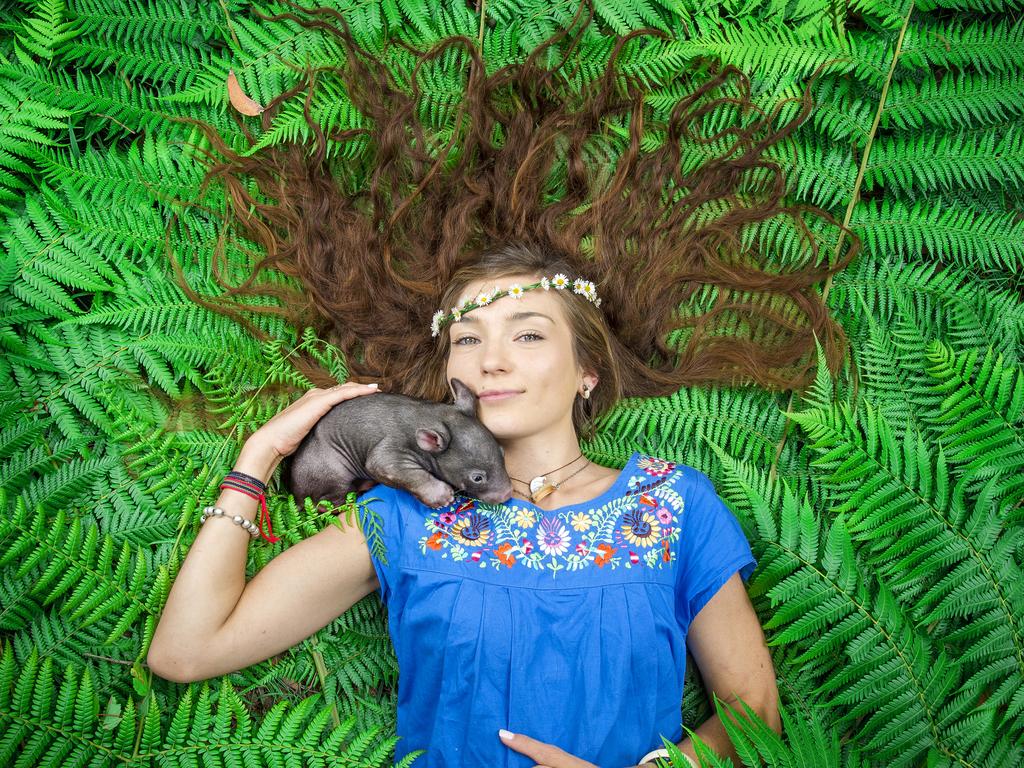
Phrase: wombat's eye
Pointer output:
(478, 477)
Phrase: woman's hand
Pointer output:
(283, 433)
(545, 755)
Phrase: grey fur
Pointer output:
(429, 449)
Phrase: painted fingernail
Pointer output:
(507, 735)
(374, 385)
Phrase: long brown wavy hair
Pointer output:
(686, 298)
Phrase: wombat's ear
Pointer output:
(432, 440)
(465, 400)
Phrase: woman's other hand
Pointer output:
(543, 754)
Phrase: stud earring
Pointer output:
(586, 392)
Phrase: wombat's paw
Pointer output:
(436, 496)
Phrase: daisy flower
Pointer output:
(545, 283)
(515, 291)
(578, 285)
(560, 281)
(435, 322)
(483, 299)
(456, 314)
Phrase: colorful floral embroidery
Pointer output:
(581, 521)
(525, 518)
(633, 530)
(655, 467)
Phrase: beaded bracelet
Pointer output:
(252, 487)
(209, 512)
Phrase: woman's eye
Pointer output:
(459, 341)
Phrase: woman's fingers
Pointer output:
(286, 429)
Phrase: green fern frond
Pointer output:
(985, 6)
(821, 601)
(970, 238)
(284, 734)
(819, 171)
(152, 169)
(928, 161)
(129, 21)
(106, 102)
(164, 63)
(955, 101)
(981, 414)
(776, 56)
(983, 46)
(24, 130)
(44, 34)
(747, 422)
(95, 582)
(842, 112)
(917, 529)
(950, 301)
(65, 727)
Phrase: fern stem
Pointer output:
(871, 137)
(321, 673)
(854, 197)
(482, 10)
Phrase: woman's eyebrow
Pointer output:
(514, 316)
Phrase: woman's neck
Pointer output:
(532, 457)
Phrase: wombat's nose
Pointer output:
(497, 497)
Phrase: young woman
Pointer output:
(564, 620)
(564, 615)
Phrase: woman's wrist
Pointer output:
(258, 461)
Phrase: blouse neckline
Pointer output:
(613, 490)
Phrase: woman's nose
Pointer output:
(494, 357)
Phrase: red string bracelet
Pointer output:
(253, 488)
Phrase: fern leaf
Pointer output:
(969, 238)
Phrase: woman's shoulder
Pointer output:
(649, 468)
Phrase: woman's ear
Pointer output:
(590, 379)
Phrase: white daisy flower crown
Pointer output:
(559, 282)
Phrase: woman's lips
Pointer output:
(502, 396)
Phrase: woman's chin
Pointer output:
(503, 427)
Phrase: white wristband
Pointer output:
(662, 752)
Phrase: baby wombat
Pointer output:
(429, 449)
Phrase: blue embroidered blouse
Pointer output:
(568, 625)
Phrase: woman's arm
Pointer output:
(213, 622)
(728, 644)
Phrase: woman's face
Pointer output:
(523, 346)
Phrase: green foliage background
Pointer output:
(886, 519)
